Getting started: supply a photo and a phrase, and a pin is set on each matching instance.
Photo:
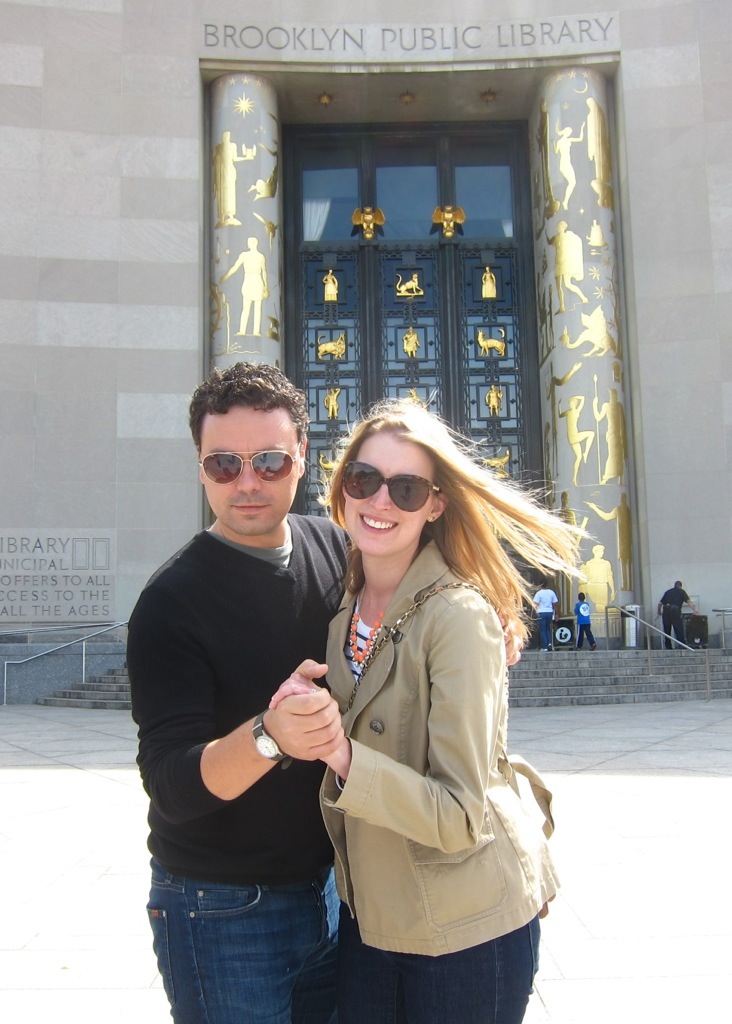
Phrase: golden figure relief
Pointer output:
(330, 287)
(273, 331)
(552, 383)
(622, 516)
(331, 403)
(568, 263)
(580, 441)
(551, 203)
(488, 344)
(336, 348)
(254, 287)
(563, 147)
(219, 311)
(452, 219)
(270, 227)
(494, 400)
(409, 288)
(498, 464)
(369, 220)
(596, 332)
(488, 284)
(598, 150)
(410, 341)
(225, 158)
(414, 397)
(569, 516)
(248, 154)
(615, 436)
(597, 575)
(596, 238)
(327, 465)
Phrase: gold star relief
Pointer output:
(595, 273)
(599, 293)
(243, 105)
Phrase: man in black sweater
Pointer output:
(242, 906)
(669, 608)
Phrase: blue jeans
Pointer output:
(545, 629)
(247, 955)
(486, 984)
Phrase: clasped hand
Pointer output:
(304, 718)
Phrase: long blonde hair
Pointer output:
(485, 520)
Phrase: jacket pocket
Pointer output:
(459, 887)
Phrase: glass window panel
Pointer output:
(407, 191)
(329, 197)
(486, 195)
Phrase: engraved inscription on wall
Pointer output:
(64, 575)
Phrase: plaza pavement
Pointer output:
(642, 929)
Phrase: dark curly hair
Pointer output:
(256, 385)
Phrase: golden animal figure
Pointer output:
(494, 400)
(487, 344)
(498, 464)
(336, 348)
(369, 220)
(266, 188)
(451, 217)
(270, 227)
(327, 465)
(596, 332)
(410, 340)
(409, 288)
(331, 403)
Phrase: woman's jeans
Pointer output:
(246, 955)
(486, 984)
(545, 629)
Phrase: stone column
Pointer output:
(245, 223)
(582, 376)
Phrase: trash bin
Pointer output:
(563, 634)
(696, 631)
(630, 625)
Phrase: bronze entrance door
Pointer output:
(409, 274)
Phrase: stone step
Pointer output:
(86, 702)
(109, 691)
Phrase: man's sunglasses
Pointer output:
(409, 493)
(225, 467)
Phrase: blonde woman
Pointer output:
(441, 872)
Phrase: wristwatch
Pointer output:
(264, 743)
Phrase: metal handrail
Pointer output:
(723, 612)
(663, 633)
(61, 628)
(59, 647)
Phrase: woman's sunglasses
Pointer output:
(409, 493)
(225, 467)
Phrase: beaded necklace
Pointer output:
(360, 654)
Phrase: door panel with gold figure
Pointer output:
(408, 274)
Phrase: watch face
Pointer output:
(267, 746)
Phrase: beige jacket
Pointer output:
(435, 852)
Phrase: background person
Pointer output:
(441, 871)
(242, 905)
(582, 613)
(669, 608)
(545, 602)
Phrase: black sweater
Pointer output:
(212, 636)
